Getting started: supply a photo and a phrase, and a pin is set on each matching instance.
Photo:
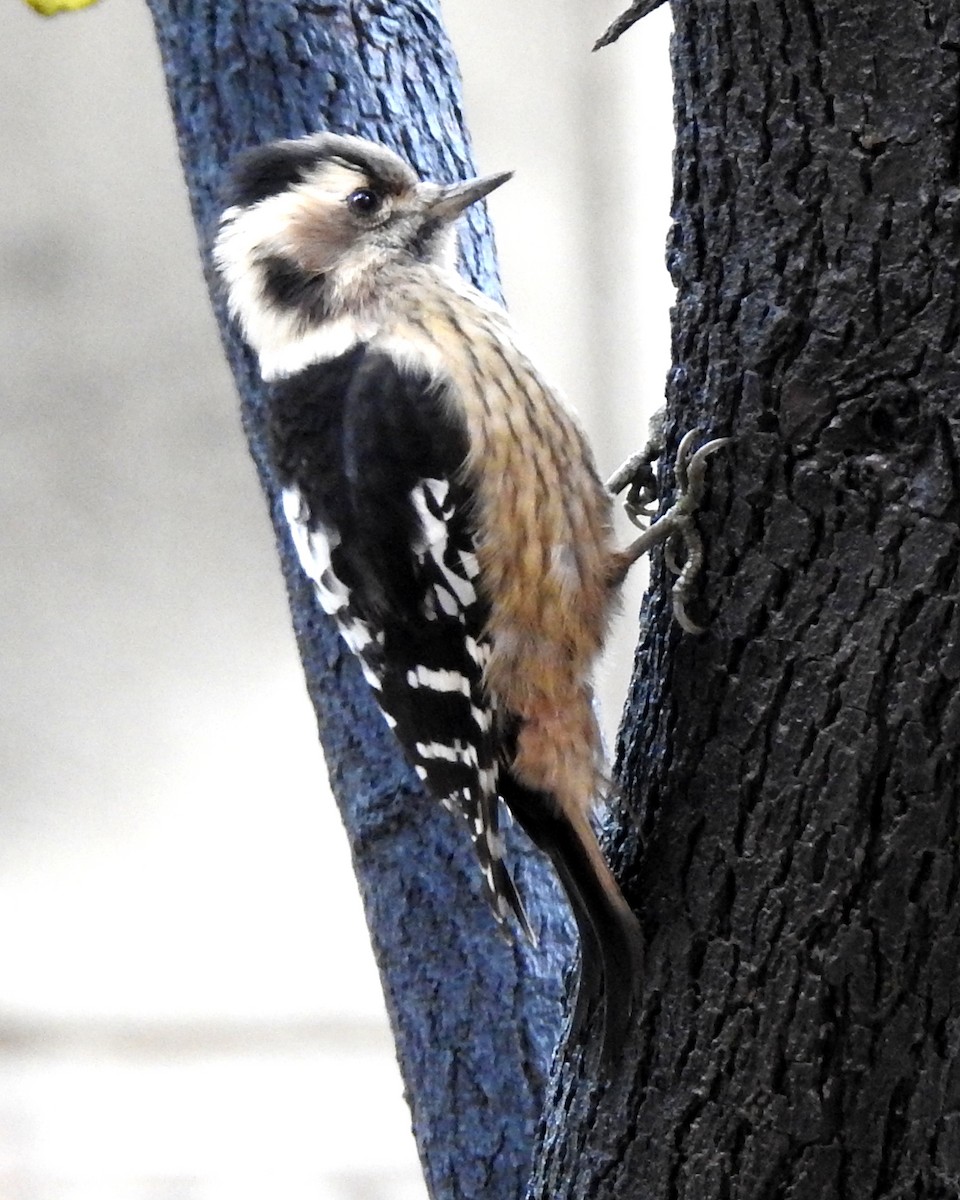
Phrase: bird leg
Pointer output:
(684, 550)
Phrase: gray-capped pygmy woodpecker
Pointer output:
(445, 505)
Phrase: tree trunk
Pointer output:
(475, 1019)
(794, 771)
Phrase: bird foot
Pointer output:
(638, 477)
(684, 546)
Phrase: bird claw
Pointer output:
(639, 479)
(684, 546)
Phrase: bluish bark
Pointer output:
(475, 1019)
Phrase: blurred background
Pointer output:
(188, 1005)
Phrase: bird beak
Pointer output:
(451, 201)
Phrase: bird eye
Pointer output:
(364, 202)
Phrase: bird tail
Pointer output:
(611, 941)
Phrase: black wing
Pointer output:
(371, 460)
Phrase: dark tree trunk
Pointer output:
(475, 1019)
(794, 771)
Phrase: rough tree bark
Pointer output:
(475, 1019)
(794, 771)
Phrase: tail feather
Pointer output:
(611, 941)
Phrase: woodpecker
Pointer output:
(445, 505)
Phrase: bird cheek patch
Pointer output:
(318, 235)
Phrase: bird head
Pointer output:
(323, 224)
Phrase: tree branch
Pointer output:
(617, 28)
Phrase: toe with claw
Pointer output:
(639, 480)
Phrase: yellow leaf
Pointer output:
(50, 8)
